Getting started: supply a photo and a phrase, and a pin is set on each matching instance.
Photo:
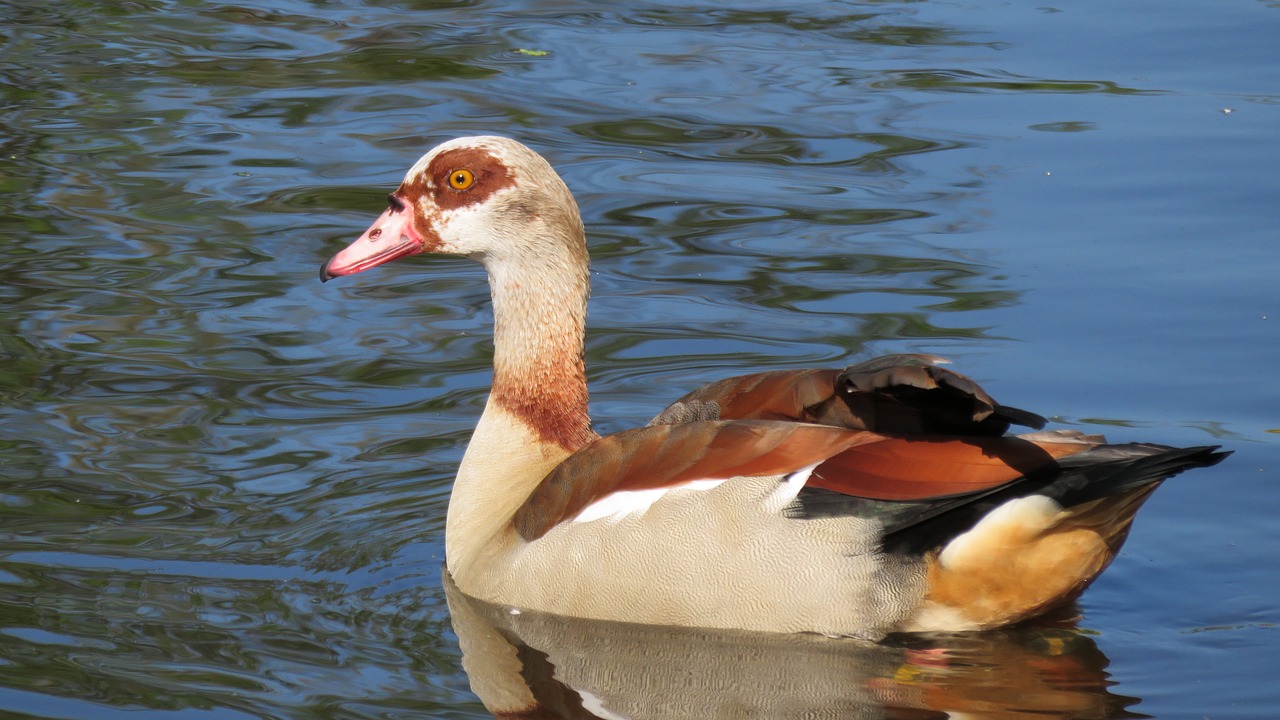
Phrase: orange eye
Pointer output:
(461, 179)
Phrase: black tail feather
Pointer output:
(914, 527)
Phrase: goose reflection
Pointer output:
(526, 664)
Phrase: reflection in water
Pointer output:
(532, 665)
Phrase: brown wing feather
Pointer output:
(920, 469)
(667, 455)
(795, 395)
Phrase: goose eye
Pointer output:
(461, 179)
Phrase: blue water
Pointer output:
(223, 485)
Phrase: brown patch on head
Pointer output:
(488, 175)
(485, 173)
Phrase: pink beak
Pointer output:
(391, 236)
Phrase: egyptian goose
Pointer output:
(885, 497)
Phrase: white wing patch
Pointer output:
(788, 489)
(618, 505)
(1020, 517)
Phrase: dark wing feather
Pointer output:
(911, 394)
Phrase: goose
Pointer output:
(880, 498)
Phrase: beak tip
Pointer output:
(325, 275)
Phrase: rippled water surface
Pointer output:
(223, 485)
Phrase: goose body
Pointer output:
(884, 497)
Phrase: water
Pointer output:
(223, 484)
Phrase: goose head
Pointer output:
(487, 197)
(496, 201)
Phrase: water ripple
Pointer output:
(224, 485)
